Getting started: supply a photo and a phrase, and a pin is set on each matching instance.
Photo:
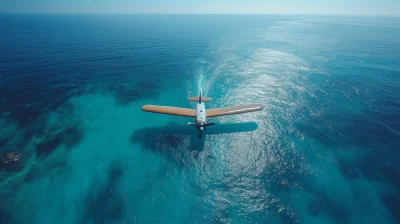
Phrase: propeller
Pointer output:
(201, 126)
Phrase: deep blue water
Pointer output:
(324, 150)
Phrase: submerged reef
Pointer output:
(12, 161)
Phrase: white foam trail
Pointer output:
(201, 83)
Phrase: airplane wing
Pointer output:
(223, 111)
(179, 111)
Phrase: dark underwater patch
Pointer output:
(65, 130)
(27, 100)
(47, 168)
(47, 147)
(348, 170)
(380, 169)
(323, 205)
(374, 132)
(392, 202)
(104, 204)
(379, 132)
(3, 142)
(5, 217)
(144, 89)
(70, 137)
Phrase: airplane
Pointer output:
(201, 114)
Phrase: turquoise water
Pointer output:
(324, 150)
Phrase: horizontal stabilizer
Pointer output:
(179, 111)
(203, 98)
(223, 111)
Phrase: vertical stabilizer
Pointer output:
(200, 96)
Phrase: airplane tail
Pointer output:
(200, 98)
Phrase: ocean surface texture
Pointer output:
(324, 150)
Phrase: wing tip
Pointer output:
(259, 106)
(146, 107)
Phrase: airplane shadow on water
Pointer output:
(181, 143)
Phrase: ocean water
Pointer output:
(324, 150)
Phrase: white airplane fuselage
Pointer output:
(201, 116)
